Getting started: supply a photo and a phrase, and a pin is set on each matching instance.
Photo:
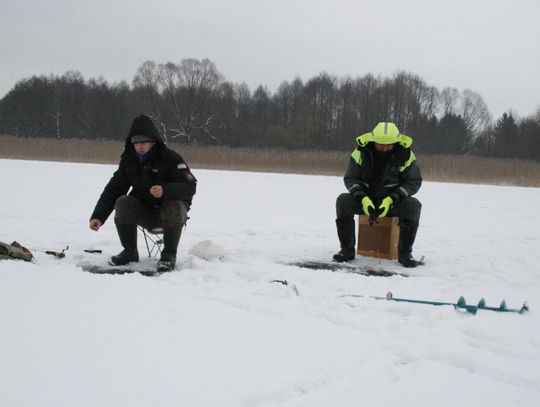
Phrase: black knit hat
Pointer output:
(143, 129)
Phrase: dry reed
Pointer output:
(466, 169)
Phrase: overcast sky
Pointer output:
(489, 46)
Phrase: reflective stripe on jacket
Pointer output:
(401, 176)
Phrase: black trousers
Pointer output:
(407, 210)
(130, 210)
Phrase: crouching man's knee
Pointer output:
(409, 210)
(173, 213)
(125, 210)
(346, 206)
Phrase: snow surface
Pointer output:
(218, 333)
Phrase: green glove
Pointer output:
(385, 206)
(367, 205)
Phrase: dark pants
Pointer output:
(130, 210)
(407, 210)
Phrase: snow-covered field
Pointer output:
(218, 333)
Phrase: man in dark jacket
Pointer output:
(381, 178)
(162, 188)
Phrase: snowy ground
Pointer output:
(218, 333)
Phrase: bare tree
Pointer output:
(200, 81)
(321, 101)
(449, 100)
(262, 105)
(190, 89)
(283, 100)
(430, 100)
(199, 76)
(474, 112)
(168, 80)
(147, 81)
(370, 102)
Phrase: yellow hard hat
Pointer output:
(385, 133)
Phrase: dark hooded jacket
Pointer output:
(399, 177)
(160, 166)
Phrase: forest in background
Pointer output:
(193, 104)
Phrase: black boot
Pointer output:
(345, 231)
(345, 254)
(407, 235)
(407, 260)
(171, 238)
(128, 239)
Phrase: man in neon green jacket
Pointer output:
(381, 178)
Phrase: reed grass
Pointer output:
(441, 168)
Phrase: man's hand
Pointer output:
(385, 206)
(95, 224)
(367, 206)
(156, 191)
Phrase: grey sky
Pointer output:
(489, 46)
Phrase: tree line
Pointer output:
(193, 103)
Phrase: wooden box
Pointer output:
(379, 240)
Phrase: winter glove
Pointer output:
(367, 206)
(385, 206)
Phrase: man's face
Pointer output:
(384, 147)
(143, 147)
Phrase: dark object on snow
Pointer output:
(347, 268)
(14, 251)
(56, 253)
(286, 283)
(111, 269)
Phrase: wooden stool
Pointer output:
(379, 240)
